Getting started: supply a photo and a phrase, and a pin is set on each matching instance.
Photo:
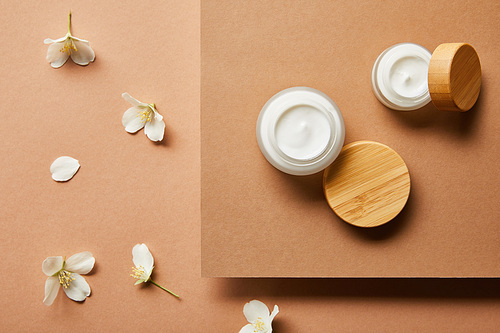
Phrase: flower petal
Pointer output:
(142, 257)
(84, 54)
(52, 265)
(255, 309)
(131, 120)
(248, 328)
(78, 288)
(55, 55)
(80, 263)
(155, 128)
(133, 101)
(80, 40)
(64, 168)
(276, 310)
(51, 289)
(50, 40)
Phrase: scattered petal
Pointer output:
(64, 168)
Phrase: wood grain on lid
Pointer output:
(454, 77)
(367, 185)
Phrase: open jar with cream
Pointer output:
(407, 77)
(300, 131)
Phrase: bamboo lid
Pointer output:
(454, 77)
(367, 185)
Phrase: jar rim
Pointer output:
(383, 89)
(284, 101)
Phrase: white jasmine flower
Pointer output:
(258, 317)
(64, 168)
(67, 274)
(143, 115)
(69, 46)
(144, 264)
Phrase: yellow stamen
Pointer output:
(146, 115)
(69, 47)
(259, 325)
(65, 278)
(139, 273)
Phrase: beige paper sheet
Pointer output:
(257, 221)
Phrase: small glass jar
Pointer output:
(407, 77)
(300, 131)
(399, 77)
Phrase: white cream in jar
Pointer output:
(399, 77)
(300, 131)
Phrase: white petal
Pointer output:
(80, 263)
(52, 265)
(248, 328)
(133, 101)
(55, 55)
(158, 116)
(276, 310)
(155, 128)
(50, 40)
(142, 257)
(64, 168)
(51, 289)
(131, 120)
(78, 289)
(81, 40)
(255, 309)
(84, 54)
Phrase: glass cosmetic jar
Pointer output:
(300, 131)
(399, 77)
(407, 76)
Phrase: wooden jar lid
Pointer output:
(454, 77)
(367, 185)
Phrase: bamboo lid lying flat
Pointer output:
(367, 185)
(454, 77)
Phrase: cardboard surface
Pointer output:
(130, 190)
(257, 221)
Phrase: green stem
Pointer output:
(168, 291)
(69, 23)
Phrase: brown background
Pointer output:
(130, 190)
(257, 221)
